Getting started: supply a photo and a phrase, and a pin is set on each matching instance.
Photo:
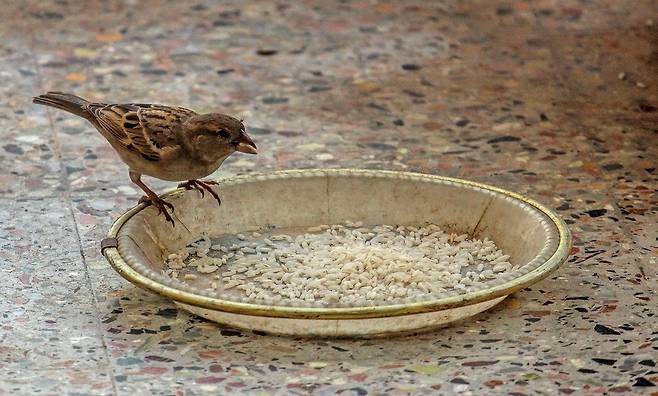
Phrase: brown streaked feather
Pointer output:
(146, 129)
(109, 120)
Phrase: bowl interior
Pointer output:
(311, 198)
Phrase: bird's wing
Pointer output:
(144, 128)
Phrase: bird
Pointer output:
(170, 143)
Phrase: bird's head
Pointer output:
(219, 133)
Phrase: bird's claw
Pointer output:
(202, 187)
(161, 205)
(188, 185)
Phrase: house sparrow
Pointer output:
(166, 142)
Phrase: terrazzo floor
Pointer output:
(554, 99)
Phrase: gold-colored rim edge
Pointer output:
(558, 257)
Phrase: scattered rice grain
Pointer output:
(348, 264)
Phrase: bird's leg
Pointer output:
(201, 185)
(152, 197)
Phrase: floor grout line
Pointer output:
(65, 194)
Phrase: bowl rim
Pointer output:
(558, 256)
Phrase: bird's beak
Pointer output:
(244, 144)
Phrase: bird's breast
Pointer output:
(180, 169)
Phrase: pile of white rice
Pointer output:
(341, 264)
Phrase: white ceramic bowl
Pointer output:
(535, 238)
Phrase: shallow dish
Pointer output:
(535, 238)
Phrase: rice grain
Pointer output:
(345, 263)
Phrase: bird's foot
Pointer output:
(202, 186)
(162, 206)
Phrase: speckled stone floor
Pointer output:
(554, 99)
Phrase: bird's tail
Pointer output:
(68, 102)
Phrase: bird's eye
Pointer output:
(224, 133)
